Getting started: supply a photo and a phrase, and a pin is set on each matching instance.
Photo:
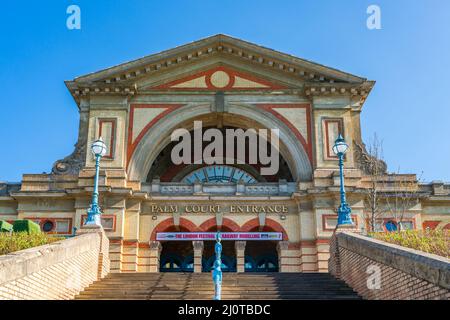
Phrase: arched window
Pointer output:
(219, 174)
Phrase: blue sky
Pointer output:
(409, 58)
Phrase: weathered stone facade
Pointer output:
(224, 82)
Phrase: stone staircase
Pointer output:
(199, 286)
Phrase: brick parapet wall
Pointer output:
(103, 256)
(55, 271)
(404, 273)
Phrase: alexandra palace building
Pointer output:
(286, 218)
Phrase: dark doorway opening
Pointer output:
(261, 256)
(177, 256)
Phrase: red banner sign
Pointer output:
(211, 236)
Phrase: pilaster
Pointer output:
(155, 253)
(198, 255)
(240, 255)
(282, 249)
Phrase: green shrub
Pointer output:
(5, 226)
(23, 240)
(431, 241)
(26, 226)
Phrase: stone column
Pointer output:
(282, 249)
(155, 253)
(198, 254)
(240, 255)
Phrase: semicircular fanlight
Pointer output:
(219, 174)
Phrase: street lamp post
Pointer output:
(98, 148)
(344, 211)
(217, 270)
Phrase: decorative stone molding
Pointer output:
(261, 188)
(155, 246)
(198, 245)
(240, 245)
(176, 219)
(176, 189)
(282, 245)
(219, 218)
(72, 164)
(358, 90)
(367, 163)
(7, 188)
(262, 219)
(439, 188)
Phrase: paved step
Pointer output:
(189, 286)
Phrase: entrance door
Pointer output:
(261, 256)
(176, 256)
(268, 263)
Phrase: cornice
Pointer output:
(360, 91)
(38, 194)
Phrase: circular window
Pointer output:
(47, 226)
(220, 79)
(391, 226)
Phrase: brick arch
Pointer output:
(271, 226)
(227, 223)
(168, 226)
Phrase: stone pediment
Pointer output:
(218, 78)
(272, 69)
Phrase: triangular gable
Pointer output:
(313, 78)
(220, 78)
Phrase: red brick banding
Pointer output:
(168, 226)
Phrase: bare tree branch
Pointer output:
(375, 169)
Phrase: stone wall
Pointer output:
(404, 273)
(55, 271)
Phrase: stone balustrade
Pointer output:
(177, 188)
